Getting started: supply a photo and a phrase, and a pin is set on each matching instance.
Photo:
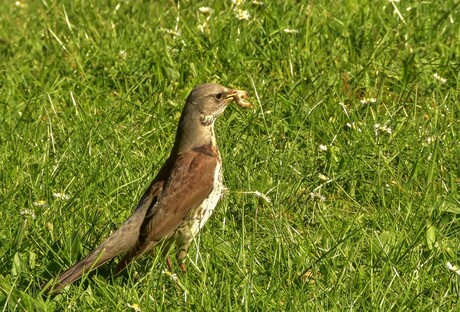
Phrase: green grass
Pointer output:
(90, 95)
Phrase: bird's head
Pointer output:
(204, 104)
(211, 99)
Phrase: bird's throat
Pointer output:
(192, 133)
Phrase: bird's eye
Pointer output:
(219, 96)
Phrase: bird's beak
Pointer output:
(240, 97)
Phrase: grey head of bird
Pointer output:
(204, 104)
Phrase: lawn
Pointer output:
(343, 180)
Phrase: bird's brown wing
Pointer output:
(191, 181)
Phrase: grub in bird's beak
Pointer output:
(241, 98)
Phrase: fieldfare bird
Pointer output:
(182, 196)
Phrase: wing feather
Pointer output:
(190, 181)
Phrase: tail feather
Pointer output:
(89, 263)
(122, 240)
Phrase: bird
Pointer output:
(181, 197)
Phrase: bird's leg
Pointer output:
(181, 254)
(169, 263)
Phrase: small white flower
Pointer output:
(173, 276)
(291, 31)
(61, 196)
(242, 15)
(439, 78)
(353, 126)
(20, 4)
(317, 196)
(430, 139)
(206, 10)
(322, 148)
(371, 100)
(378, 128)
(258, 3)
(453, 267)
(238, 2)
(27, 212)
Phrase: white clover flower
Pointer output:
(242, 15)
(322, 148)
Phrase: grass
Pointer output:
(354, 140)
